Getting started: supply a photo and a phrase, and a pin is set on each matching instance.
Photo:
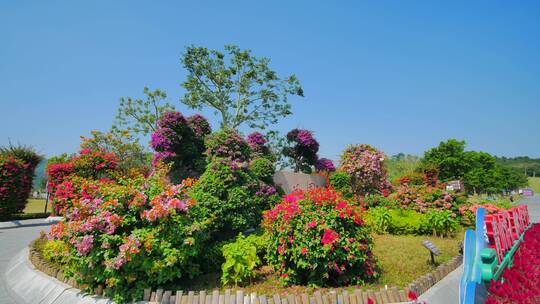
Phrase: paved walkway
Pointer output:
(533, 204)
(12, 241)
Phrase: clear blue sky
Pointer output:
(400, 75)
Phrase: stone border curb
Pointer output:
(28, 285)
(31, 222)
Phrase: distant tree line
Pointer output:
(480, 171)
(527, 165)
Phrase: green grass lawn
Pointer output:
(402, 259)
(534, 183)
(36, 206)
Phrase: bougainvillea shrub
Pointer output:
(520, 283)
(180, 142)
(423, 198)
(15, 185)
(234, 189)
(94, 164)
(17, 165)
(228, 146)
(302, 149)
(365, 166)
(316, 237)
(258, 144)
(78, 174)
(131, 235)
(56, 173)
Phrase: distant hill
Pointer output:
(531, 166)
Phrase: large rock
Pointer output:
(290, 181)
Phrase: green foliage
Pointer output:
(402, 164)
(242, 90)
(531, 166)
(140, 116)
(397, 221)
(263, 169)
(56, 251)
(341, 181)
(375, 200)
(448, 157)
(379, 219)
(405, 222)
(231, 198)
(479, 170)
(60, 159)
(442, 223)
(241, 259)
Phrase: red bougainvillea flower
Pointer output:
(329, 237)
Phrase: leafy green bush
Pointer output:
(241, 259)
(442, 223)
(408, 222)
(379, 218)
(263, 169)
(341, 181)
(375, 200)
(231, 199)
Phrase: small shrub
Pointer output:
(375, 200)
(241, 259)
(341, 181)
(316, 237)
(442, 223)
(406, 222)
(263, 169)
(56, 251)
(379, 219)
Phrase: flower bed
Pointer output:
(520, 282)
(272, 292)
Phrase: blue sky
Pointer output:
(400, 75)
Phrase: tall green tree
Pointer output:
(449, 158)
(240, 87)
(140, 116)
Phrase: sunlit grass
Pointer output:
(534, 183)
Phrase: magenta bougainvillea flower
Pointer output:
(256, 140)
(325, 164)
